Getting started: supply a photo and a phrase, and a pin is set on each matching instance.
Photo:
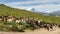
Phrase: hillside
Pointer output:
(6, 10)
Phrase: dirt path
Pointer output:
(42, 31)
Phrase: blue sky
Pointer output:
(40, 5)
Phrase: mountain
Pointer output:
(56, 13)
(40, 12)
(33, 9)
(46, 13)
(6, 10)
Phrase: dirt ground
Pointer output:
(39, 31)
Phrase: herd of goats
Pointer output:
(36, 23)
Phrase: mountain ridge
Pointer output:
(52, 13)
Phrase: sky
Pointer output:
(40, 5)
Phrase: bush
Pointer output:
(17, 28)
(4, 27)
(12, 26)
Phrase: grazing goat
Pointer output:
(10, 19)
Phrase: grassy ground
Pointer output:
(5, 10)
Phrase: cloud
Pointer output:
(41, 5)
(31, 2)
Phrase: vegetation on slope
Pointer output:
(6, 10)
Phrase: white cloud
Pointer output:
(47, 8)
(43, 5)
(32, 1)
(25, 2)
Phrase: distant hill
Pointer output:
(53, 13)
(6, 10)
(56, 13)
